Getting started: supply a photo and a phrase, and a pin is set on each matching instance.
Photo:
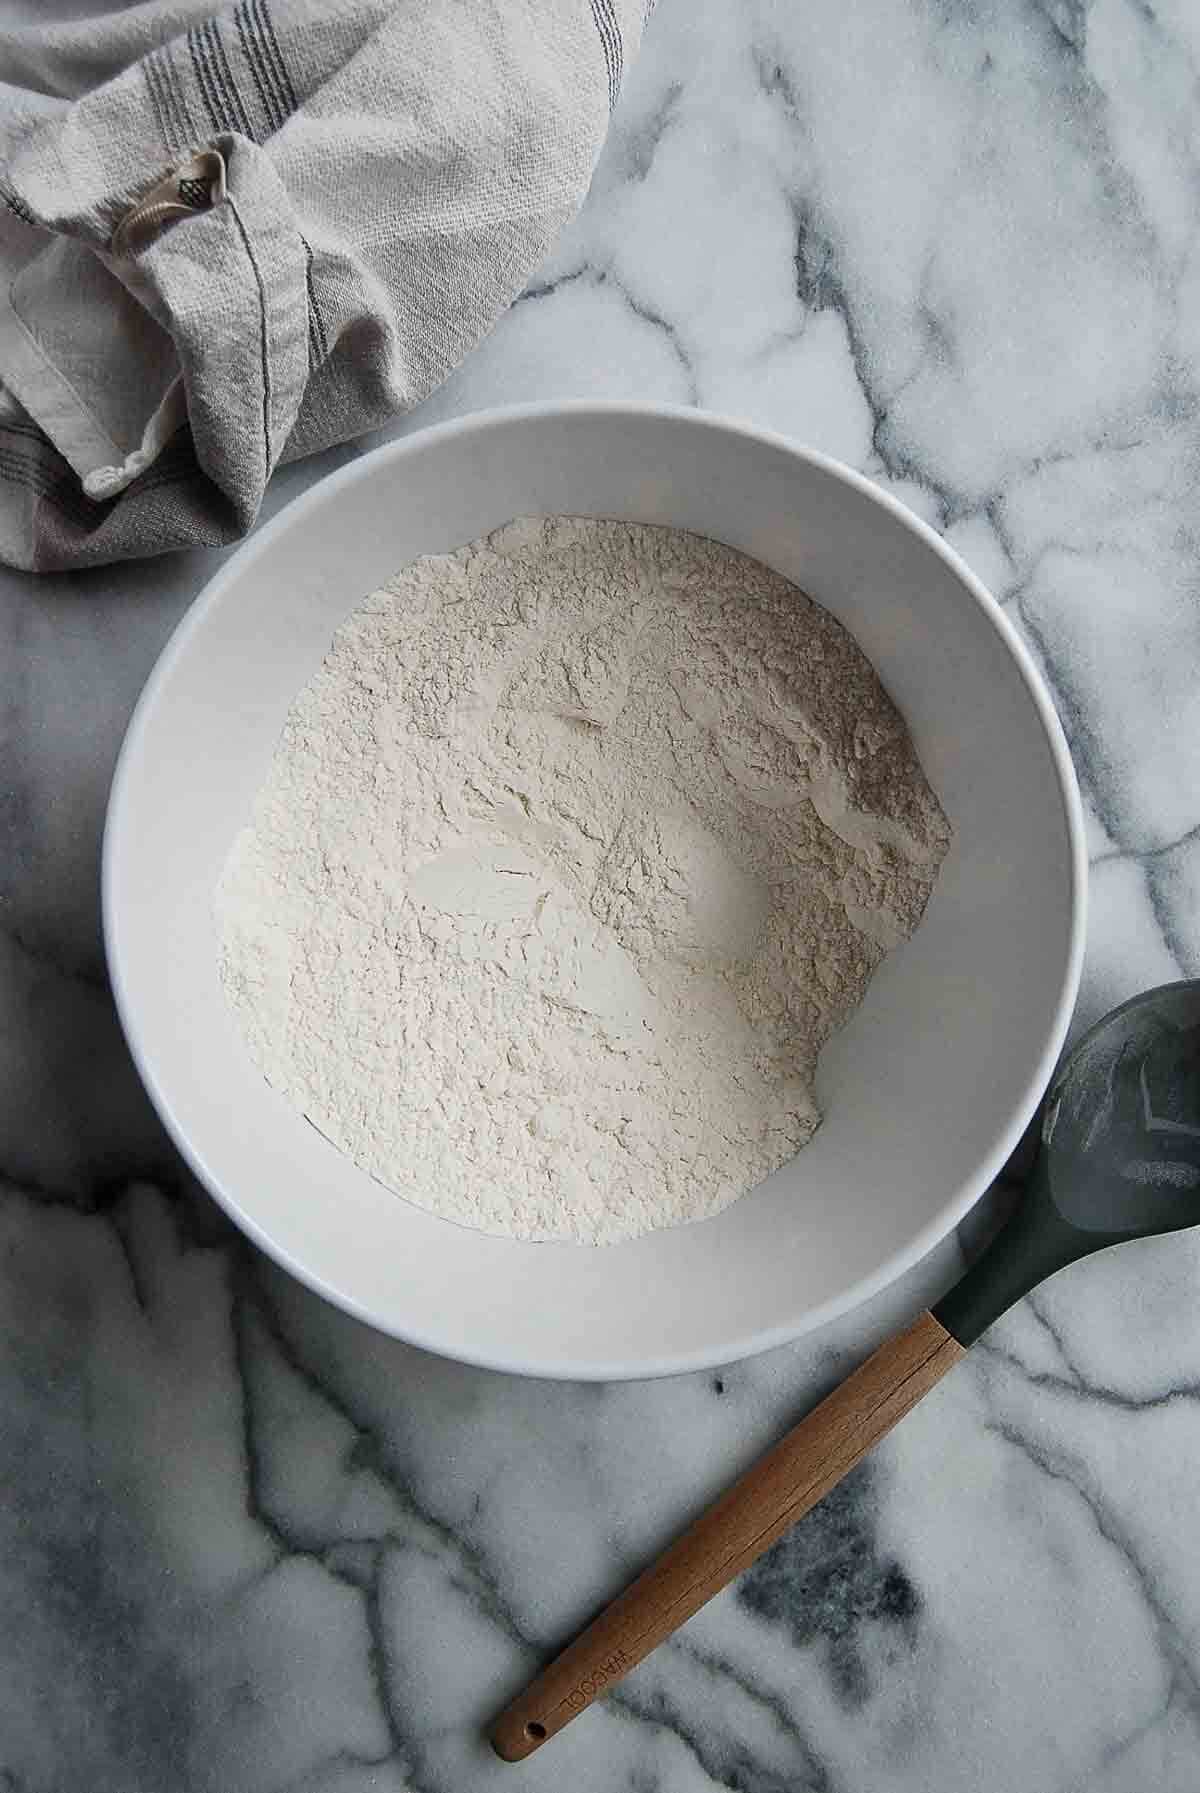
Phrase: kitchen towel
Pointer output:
(229, 239)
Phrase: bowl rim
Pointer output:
(952, 1211)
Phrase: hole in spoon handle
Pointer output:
(514, 1738)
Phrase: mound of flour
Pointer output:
(577, 848)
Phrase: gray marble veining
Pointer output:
(247, 1546)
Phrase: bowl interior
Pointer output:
(925, 1090)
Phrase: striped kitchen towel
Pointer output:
(229, 243)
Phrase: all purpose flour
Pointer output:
(577, 848)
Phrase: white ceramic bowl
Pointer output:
(925, 1092)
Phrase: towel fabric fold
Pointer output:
(231, 243)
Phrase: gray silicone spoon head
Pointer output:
(1119, 1158)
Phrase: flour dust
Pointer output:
(578, 847)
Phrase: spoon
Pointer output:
(1119, 1159)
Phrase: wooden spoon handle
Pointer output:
(770, 1497)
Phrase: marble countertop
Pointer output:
(248, 1546)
